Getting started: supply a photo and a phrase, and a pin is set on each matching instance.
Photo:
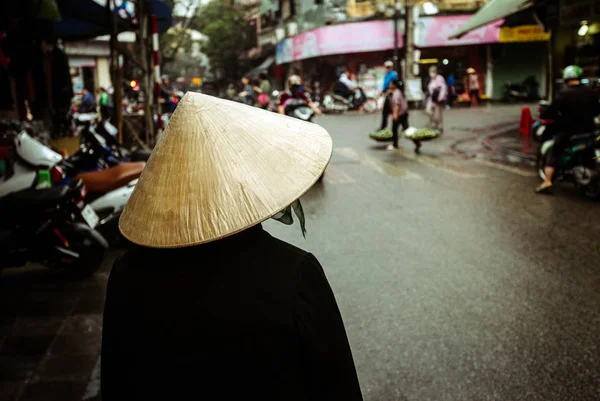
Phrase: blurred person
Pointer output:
(230, 92)
(88, 103)
(104, 103)
(247, 93)
(390, 76)
(574, 110)
(263, 89)
(293, 92)
(349, 89)
(208, 305)
(451, 90)
(166, 94)
(473, 87)
(399, 112)
(264, 85)
(437, 91)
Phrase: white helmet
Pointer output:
(294, 80)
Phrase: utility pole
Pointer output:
(409, 37)
(147, 83)
(396, 58)
(115, 68)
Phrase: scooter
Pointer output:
(334, 103)
(521, 92)
(99, 138)
(40, 225)
(580, 163)
(108, 190)
(298, 108)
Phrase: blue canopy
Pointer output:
(84, 19)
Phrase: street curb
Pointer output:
(488, 143)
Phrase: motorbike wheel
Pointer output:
(591, 191)
(91, 247)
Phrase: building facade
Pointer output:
(314, 38)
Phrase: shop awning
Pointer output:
(265, 65)
(492, 11)
(164, 18)
(81, 19)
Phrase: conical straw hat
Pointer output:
(221, 167)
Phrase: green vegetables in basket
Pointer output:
(421, 133)
(382, 135)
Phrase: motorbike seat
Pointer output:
(581, 137)
(33, 199)
(100, 182)
(340, 98)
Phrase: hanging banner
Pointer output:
(434, 32)
(524, 33)
(355, 37)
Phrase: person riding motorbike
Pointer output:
(347, 88)
(294, 92)
(574, 110)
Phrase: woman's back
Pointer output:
(246, 316)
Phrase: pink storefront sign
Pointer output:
(434, 32)
(338, 39)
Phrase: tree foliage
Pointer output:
(228, 34)
(178, 36)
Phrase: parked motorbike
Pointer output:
(40, 226)
(526, 91)
(98, 138)
(107, 190)
(580, 163)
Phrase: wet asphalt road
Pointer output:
(456, 282)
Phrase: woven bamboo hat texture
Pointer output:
(219, 168)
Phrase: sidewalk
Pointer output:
(510, 142)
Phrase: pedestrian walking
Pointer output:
(473, 86)
(390, 75)
(451, 91)
(437, 91)
(399, 111)
(208, 305)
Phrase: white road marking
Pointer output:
(503, 167)
(335, 175)
(378, 165)
(436, 162)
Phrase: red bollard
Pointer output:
(526, 122)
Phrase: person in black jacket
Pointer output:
(208, 305)
(574, 108)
